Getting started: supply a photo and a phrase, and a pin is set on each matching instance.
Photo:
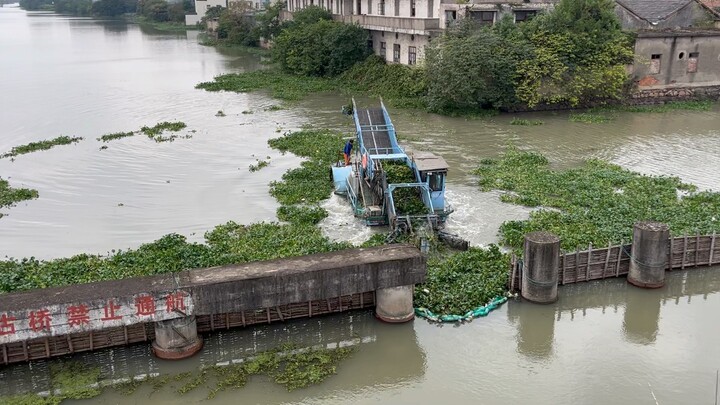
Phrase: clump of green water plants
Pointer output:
(10, 196)
(275, 107)
(590, 118)
(158, 128)
(41, 145)
(309, 183)
(298, 214)
(220, 113)
(259, 165)
(114, 136)
(658, 108)
(596, 203)
(460, 282)
(229, 243)
(283, 86)
(525, 122)
(407, 200)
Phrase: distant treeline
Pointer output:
(154, 10)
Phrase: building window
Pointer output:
(412, 55)
(396, 52)
(383, 50)
(381, 8)
(693, 62)
(655, 63)
(483, 17)
(524, 15)
(370, 44)
(450, 17)
(412, 8)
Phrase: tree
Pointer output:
(469, 68)
(579, 55)
(322, 48)
(111, 8)
(311, 15)
(236, 27)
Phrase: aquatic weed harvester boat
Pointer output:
(386, 185)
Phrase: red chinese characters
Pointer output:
(175, 302)
(40, 320)
(145, 305)
(78, 315)
(7, 325)
(110, 309)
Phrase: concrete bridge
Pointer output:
(170, 309)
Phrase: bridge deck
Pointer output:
(375, 136)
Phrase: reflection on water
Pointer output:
(642, 313)
(535, 330)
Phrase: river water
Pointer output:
(603, 342)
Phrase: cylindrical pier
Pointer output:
(540, 267)
(649, 254)
(395, 304)
(176, 338)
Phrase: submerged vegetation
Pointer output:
(288, 365)
(596, 203)
(41, 145)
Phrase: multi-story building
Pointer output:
(401, 29)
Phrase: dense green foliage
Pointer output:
(41, 145)
(596, 203)
(407, 200)
(162, 11)
(317, 46)
(463, 281)
(400, 85)
(113, 8)
(34, 5)
(470, 68)
(76, 7)
(68, 380)
(155, 131)
(573, 54)
(301, 189)
(269, 23)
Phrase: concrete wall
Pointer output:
(111, 304)
(674, 50)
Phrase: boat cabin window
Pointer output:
(435, 181)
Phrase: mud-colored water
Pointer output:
(603, 342)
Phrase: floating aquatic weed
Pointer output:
(116, 135)
(590, 118)
(41, 145)
(10, 196)
(522, 121)
(583, 205)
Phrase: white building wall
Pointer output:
(404, 40)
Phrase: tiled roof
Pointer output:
(653, 10)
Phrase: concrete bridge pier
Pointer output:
(176, 338)
(649, 254)
(540, 267)
(395, 304)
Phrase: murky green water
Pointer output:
(603, 342)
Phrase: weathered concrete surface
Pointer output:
(327, 275)
(540, 274)
(91, 307)
(176, 338)
(96, 306)
(395, 304)
(649, 254)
